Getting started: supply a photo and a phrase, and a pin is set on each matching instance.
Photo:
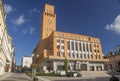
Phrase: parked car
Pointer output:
(74, 74)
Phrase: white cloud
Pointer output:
(33, 11)
(19, 21)
(115, 26)
(7, 8)
(24, 31)
(32, 29)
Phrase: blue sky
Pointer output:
(96, 18)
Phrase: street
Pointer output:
(94, 76)
(76, 78)
(17, 77)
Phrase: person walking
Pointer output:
(113, 78)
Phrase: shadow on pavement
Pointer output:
(76, 80)
(113, 73)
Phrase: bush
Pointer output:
(49, 74)
(29, 74)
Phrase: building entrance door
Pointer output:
(84, 67)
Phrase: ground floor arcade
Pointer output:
(58, 65)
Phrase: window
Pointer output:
(90, 48)
(95, 51)
(87, 47)
(77, 55)
(84, 55)
(68, 45)
(94, 45)
(62, 47)
(69, 54)
(80, 55)
(60, 67)
(76, 45)
(62, 41)
(96, 56)
(97, 45)
(58, 48)
(91, 56)
(88, 56)
(98, 51)
(72, 45)
(83, 47)
(99, 56)
(58, 53)
(73, 55)
(80, 46)
(58, 40)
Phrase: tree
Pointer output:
(33, 67)
(25, 69)
(66, 65)
(119, 66)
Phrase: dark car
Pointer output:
(74, 74)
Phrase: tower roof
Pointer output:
(49, 8)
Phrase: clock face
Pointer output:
(49, 21)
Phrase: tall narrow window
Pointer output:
(58, 40)
(80, 46)
(84, 55)
(76, 45)
(77, 55)
(58, 53)
(83, 47)
(58, 48)
(69, 54)
(62, 47)
(87, 47)
(62, 41)
(90, 48)
(73, 55)
(72, 45)
(68, 45)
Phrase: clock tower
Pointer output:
(48, 21)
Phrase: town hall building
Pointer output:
(82, 52)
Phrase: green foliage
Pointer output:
(34, 65)
(119, 65)
(49, 74)
(26, 69)
(66, 65)
(29, 74)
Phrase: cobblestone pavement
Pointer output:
(17, 77)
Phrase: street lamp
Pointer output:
(34, 66)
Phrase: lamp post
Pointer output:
(34, 66)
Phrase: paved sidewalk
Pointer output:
(2, 77)
(42, 79)
(17, 77)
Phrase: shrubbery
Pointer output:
(49, 74)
